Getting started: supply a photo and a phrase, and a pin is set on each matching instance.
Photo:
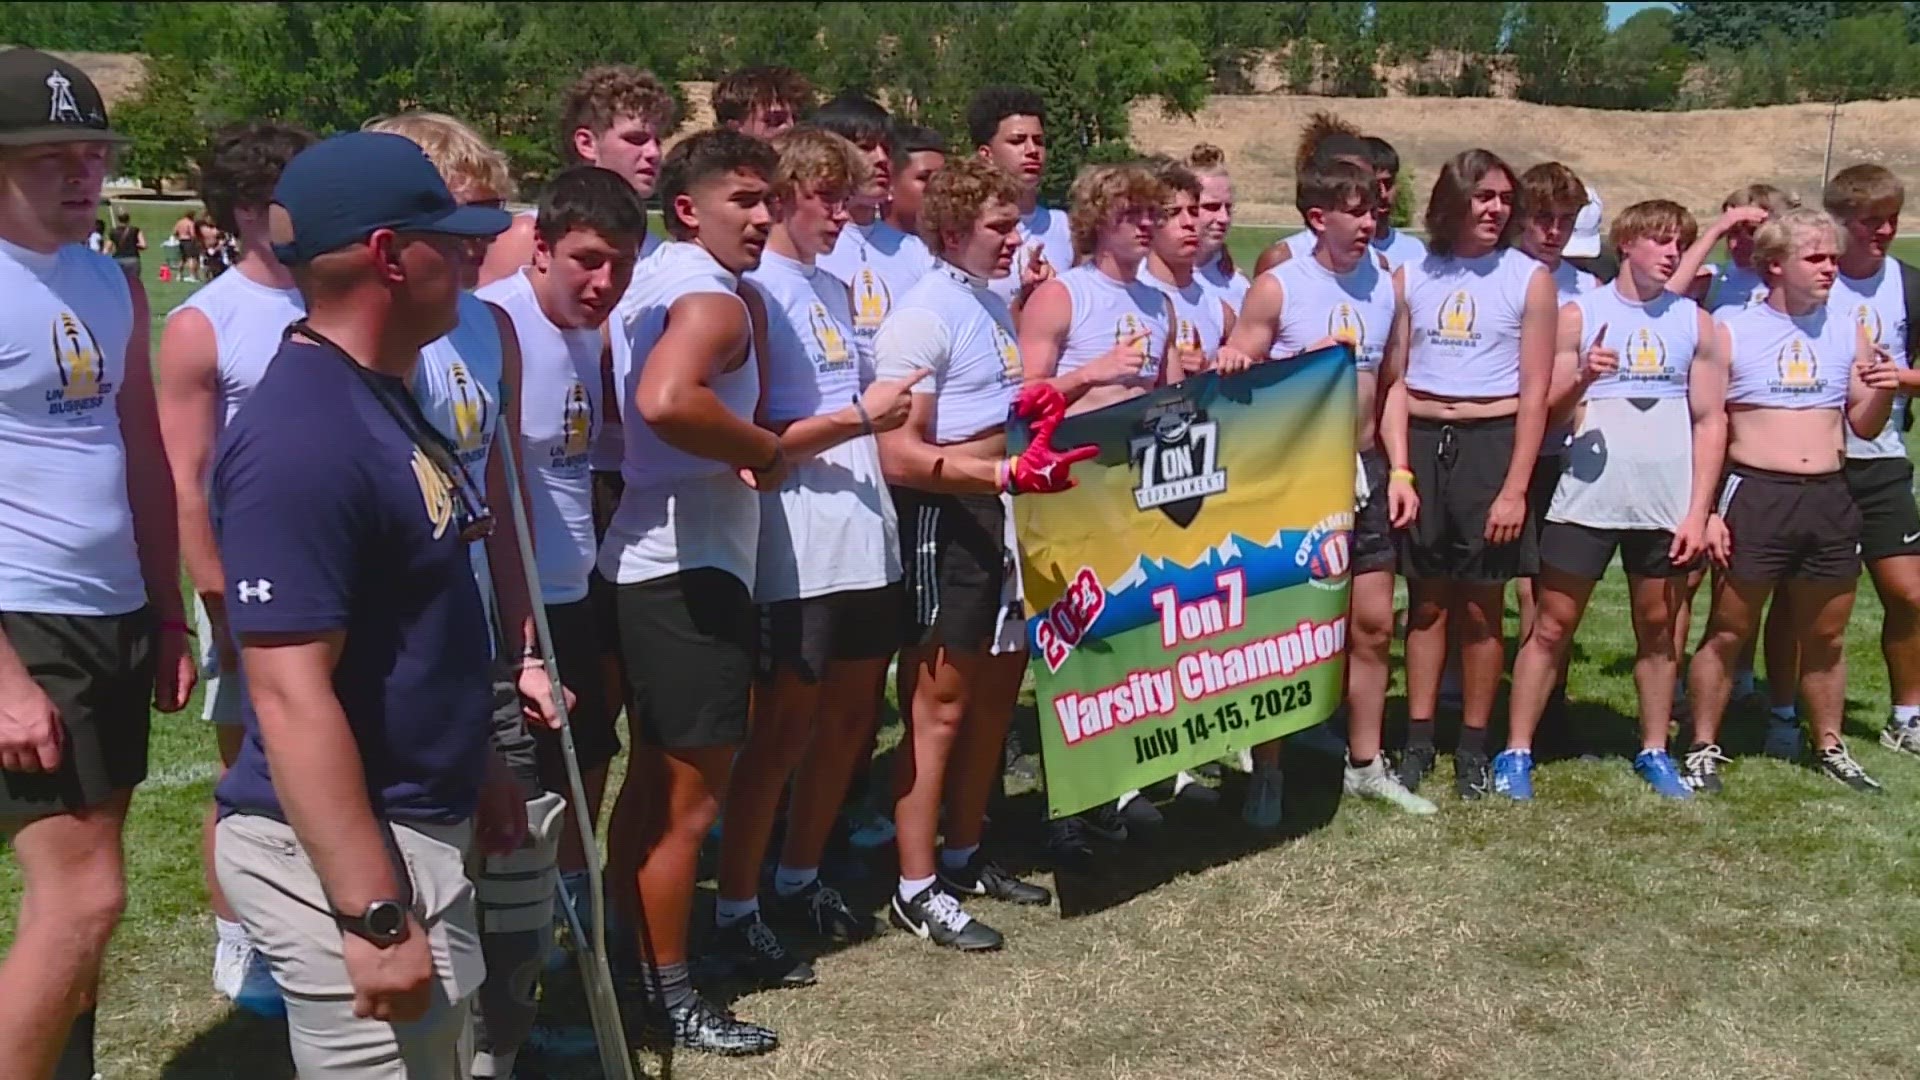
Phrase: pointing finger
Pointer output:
(912, 380)
(1600, 339)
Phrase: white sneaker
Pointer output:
(1262, 806)
(1783, 739)
(230, 966)
(1376, 782)
(1904, 738)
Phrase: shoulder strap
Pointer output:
(1910, 302)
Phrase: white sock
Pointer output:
(727, 912)
(788, 880)
(912, 887)
(1743, 683)
(1785, 714)
(229, 931)
(954, 858)
(1183, 780)
(1906, 715)
(1122, 801)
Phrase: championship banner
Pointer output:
(1188, 599)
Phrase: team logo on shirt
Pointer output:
(834, 354)
(1127, 326)
(1345, 325)
(1456, 318)
(435, 492)
(1869, 319)
(1188, 336)
(1179, 460)
(468, 407)
(1009, 354)
(1796, 370)
(76, 356)
(1646, 357)
(576, 423)
(871, 300)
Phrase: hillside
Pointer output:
(1693, 157)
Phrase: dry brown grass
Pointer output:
(1692, 157)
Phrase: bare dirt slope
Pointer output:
(1692, 157)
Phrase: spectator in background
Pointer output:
(97, 239)
(186, 237)
(214, 256)
(126, 243)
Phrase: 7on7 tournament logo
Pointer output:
(1179, 459)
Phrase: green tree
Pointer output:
(76, 27)
(1642, 66)
(1557, 49)
(1703, 27)
(161, 121)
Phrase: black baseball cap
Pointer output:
(340, 190)
(44, 99)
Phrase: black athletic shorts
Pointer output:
(687, 647)
(1458, 471)
(807, 634)
(954, 554)
(608, 486)
(1372, 524)
(1544, 482)
(576, 645)
(1785, 525)
(98, 671)
(1889, 522)
(1585, 551)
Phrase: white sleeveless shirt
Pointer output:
(559, 415)
(954, 325)
(831, 527)
(1107, 312)
(1316, 303)
(1199, 311)
(1398, 246)
(66, 525)
(608, 445)
(1878, 303)
(1466, 316)
(249, 321)
(1782, 362)
(679, 511)
(1734, 287)
(1047, 227)
(1656, 341)
(1229, 287)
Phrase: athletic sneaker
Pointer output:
(750, 949)
(819, 909)
(1903, 738)
(1188, 790)
(1836, 762)
(1068, 844)
(1783, 739)
(699, 1026)
(868, 828)
(1512, 774)
(1656, 767)
(1701, 772)
(242, 974)
(1261, 809)
(936, 915)
(1375, 782)
(982, 877)
(1142, 816)
(1473, 774)
(1414, 765)
(1105, 822)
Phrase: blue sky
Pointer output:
(1619, 13)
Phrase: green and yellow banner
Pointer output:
(1188, 598)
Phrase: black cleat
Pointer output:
(980, 877)
(1700, 769)
(935, 915)
(1472, 774)
(820, 909)
(699, 1026)
(1068, 844)
(750, 950)
(1414, 765)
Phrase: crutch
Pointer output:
(616, 1059)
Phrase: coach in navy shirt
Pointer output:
(343, 523)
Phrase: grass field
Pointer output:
(1598, 932)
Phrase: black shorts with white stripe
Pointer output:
(954, 556)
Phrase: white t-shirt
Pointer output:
(831, 526)
(679, 511)
(1879, 303)
(559, 414)
(879, 263)
(1047, 227)
(66, 525)
(954, 325)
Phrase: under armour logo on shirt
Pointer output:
(260, 591)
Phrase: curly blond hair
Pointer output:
(464, 158)
(1785, 234)
(815, 159)
(958, 193)
(1102, 191)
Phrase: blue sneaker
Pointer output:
(1513, 774)
(259, 994)
(1661, 774)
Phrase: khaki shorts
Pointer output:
(273, 888)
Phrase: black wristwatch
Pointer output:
(384, 924)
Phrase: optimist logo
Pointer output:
(1327, 551)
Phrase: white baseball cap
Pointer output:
(1585, 243)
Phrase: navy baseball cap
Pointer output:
(340, 190)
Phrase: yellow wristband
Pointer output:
(1402, 474)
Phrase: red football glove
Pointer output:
(1040, 469)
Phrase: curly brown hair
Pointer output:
(958, 193)
(1100, 191)
(741, 91)
(606, 95)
